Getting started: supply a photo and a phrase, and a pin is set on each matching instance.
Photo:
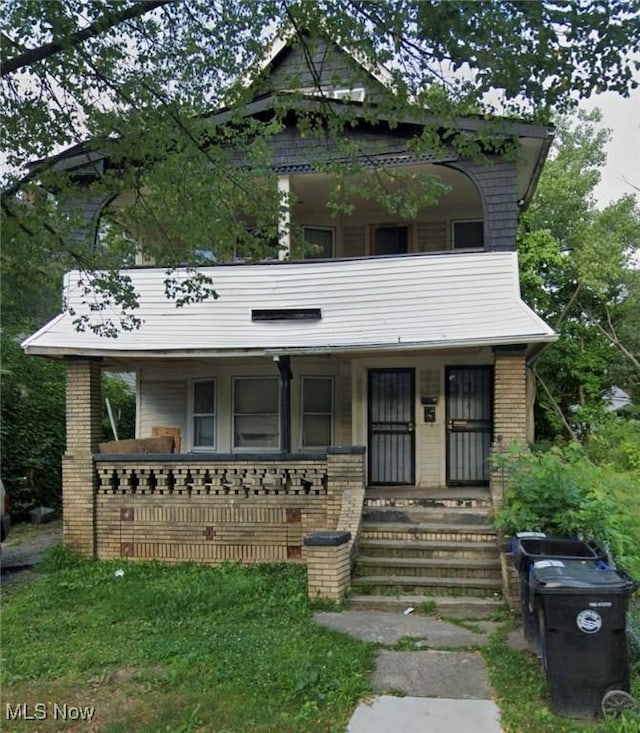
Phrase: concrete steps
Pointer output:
(426, 549)
(434, 567)
(456, 606)
(440, 553)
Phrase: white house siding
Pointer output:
(420, 301)
(165, 398)
(165, 395)
(160, 403)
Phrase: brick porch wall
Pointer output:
(201, 523)
(79, 479)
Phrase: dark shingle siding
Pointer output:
(324, 64)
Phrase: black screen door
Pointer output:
(469, 424)
(391, 426)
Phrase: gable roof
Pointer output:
(383, 304)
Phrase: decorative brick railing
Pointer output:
(220, 475)
(215, 508)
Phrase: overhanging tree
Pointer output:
(578, 272)
(139, 80)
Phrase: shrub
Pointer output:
(562, 492)
(616, 443)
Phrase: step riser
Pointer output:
(477, 518)
(468, 573)
(422, 535)
(479, 608)
(449, 553)
(427, 591)
(409, 503)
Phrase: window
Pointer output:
(257, 244)
(204, 414)
(318, 243)
(317, 412)
(256, 417)
(468, 234)
(390, 240)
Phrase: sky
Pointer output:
(622, 116)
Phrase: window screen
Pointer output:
(204, 414)
(318, 243)
(317, 411)
(468, 234)
(390, 240)
(256, 419)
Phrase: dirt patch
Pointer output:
(81, 707)
(25, 547)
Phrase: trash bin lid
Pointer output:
(578, 576)
(539, 545)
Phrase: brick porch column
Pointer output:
(509, 405)
(79, 478)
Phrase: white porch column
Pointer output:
(284, 219)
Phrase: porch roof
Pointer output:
(416, 301)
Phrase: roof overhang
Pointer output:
(425, 302)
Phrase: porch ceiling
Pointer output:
(398, 303)
(312, 190)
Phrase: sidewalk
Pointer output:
(446, 691)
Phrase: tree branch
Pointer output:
(98, 27)
(613, 338)
(556, 406)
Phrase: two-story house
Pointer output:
(373, 373)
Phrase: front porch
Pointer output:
(251, 506)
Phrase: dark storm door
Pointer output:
(469, 424)
(391, 443)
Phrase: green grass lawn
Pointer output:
(520, 691)
(177, 648)
(223, 650)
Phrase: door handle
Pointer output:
(453, 424)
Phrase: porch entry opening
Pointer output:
(469, 424)
(391, 437)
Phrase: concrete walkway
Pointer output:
(444, 690)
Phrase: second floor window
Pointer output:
(390, 240)
(318, 243)
(468, 234)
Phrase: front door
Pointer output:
(391, 444)
(469, 424)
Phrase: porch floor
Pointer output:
(428, 492)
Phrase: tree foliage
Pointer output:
(579, 272)
(140, 80)
(32, 428)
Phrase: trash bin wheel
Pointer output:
(615, 702)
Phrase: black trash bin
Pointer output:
(530, 547)
(581, 608)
